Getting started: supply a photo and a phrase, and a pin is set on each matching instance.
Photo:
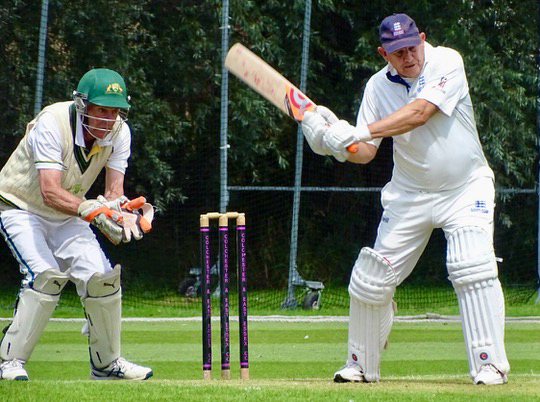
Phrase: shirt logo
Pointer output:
(480, 206)
(442, 82)
(397, 29)
(421, 83)
(75, 189)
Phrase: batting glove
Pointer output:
(340, 135)
(314, 127)
(326, 114)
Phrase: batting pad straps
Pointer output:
(373, 280)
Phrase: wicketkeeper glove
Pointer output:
(137, 217)
(103, 217)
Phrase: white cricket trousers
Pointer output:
(409, 218)
(38, 244)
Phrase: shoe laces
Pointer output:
(491, 368)
(15, 363)
(121, 365)
(353, 365)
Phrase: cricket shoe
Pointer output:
(490, 375)
(13, 370)
(121, 369)
(351, 372)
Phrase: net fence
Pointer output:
(339, 206)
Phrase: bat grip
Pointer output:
(353, 148)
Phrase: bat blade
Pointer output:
(269, 83)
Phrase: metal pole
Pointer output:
(538, 167)
(290, 300)
(41, 56)
(223, 148)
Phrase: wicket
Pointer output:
(223, 226)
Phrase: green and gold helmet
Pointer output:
(103, 87)
(106, 88)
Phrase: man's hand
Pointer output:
(326, 135)
(137, 219)
(341, 135)
(104, 218)
(314, 127)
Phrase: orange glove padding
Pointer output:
(104, 218)
(137, 216)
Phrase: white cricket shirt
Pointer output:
(444, 153)
(45, 141)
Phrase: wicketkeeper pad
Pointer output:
(32, 312)
(103, 311)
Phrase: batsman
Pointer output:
(440, 179)
(45, 220)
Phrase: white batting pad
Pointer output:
(31, 316)
(470, 256)
(371, 288)
(472, 268)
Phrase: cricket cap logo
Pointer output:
(114, 88)
(398, 31)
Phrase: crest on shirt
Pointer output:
(75, 189)
(480, 206)
(421, 83)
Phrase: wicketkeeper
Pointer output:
(441, 179)
(45, 221)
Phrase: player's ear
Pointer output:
(423, 36)
(382, 52)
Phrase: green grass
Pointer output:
(288, 362)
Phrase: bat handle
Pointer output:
(353, 148)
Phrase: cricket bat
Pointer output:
(269, 83)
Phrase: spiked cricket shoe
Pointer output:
(490, 375)
(351, 372)
(13, 370)
(121, 369)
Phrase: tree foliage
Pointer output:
(170, 55)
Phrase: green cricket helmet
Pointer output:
(103, 87)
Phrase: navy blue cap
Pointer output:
(398, 31)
